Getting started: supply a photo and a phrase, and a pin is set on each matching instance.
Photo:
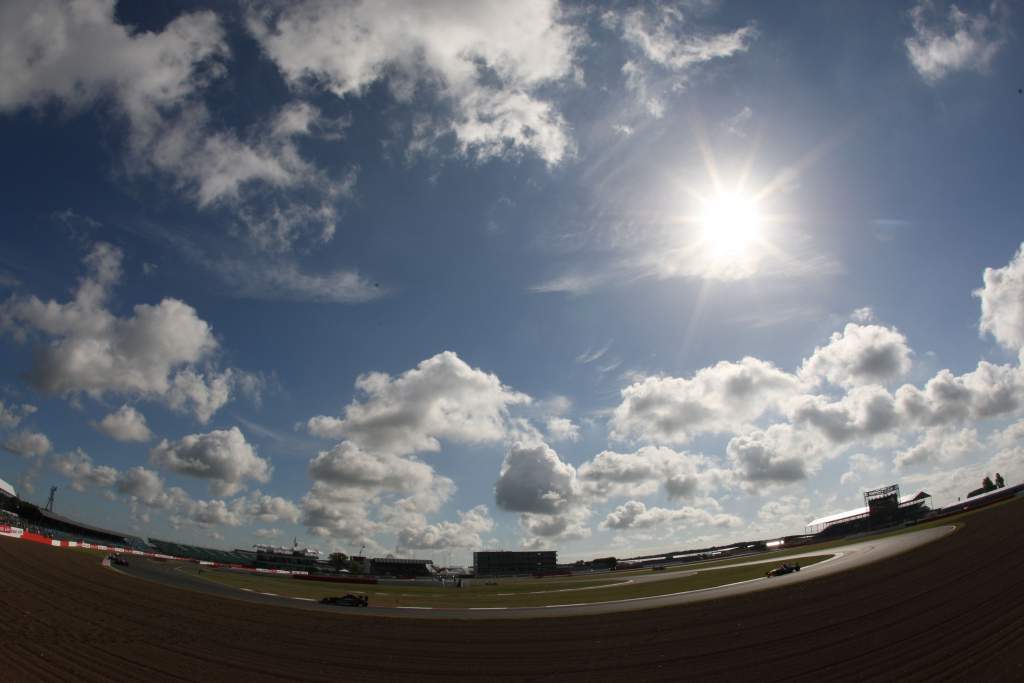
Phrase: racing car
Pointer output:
(347, 600)
(785, 568)
(119, 560)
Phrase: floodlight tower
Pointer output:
(49, 501)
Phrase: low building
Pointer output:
(290, 559)
(6, 490)
(399, 568)
(514, 562)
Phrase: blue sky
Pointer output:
(597, 277)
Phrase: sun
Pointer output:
(731, 225)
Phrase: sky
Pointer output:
(429, 278)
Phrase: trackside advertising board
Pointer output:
(12, 531)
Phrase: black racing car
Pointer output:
(347, 600)
(119, 560)
(785, 568)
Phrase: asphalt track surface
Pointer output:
(846, 557)
(948, 610)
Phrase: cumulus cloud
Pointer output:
(562, 429)
(864, 412)
(125, 424)
(464, 533)
(862, 466)
(986, 392)
(348, 467)
(636, 515)
(725, 397)
(486, 76)
(683, 475)
(960, 42)
(223, 457)
(11, 416)
(667, 50)
(150, 354)
(78, 54)
(441, 398)
(860, 354)
(79, 468)
(939, 445)
(146, 486)
(778, 455)
(27, 444)
(1002, 303)
(268, 509)
(534, 479)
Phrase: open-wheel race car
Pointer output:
(347, 600)
(784, 568)
(119, 560)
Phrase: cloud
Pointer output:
(725, 397)
(562, 429)
(939, 445)
(268, 509)
(987, 391)
(483, 78)
(464, 533)
(534, 479)
(27, 444)
(666, 51)
(1002, 303)
(636, 515)
(147, 487)
(862, 466)
(79, 468)
(963, 42)
(124, 424)
(149, 354)
(223, 457)
(347, 467)
(265, 534)
(78, 54)
(11, 416)
(860, 354)
(775, 456)
(441, 398)
(864, 412)
(683, 475)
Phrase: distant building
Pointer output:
(290, 559)
(7, 490)
(398, 568)
(509, 562)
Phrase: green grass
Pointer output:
(491, 596)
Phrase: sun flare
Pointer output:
(731, 224)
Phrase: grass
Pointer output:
(522, 595)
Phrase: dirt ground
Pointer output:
(953, 609)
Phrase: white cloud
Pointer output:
(864, 412)
(636, 515)
(268, 509)
(464, 533)
(963, 42)
(534, 479)
(785, 514)
(667, 51)
(265, 534)
(862, 466)
(484, 62)
(223, 457)
(778, 455)
(939, 445)
(27, 444)
(683, 475)
(147, 487)
(987, 391)
(77, 54)
(125, 424)
(562, 429)
(860, 354)
(441, 398)
(11, 416)
(725, 397)
(92, 351)
(79, 468)
(1002, 303)
(346, 466)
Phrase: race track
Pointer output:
(847, 557)
(952, 609)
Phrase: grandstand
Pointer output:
(6, 490)
(400, 568)
(882, 507)
(194, 552)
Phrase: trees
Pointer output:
(999, 481)
(987, 485)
